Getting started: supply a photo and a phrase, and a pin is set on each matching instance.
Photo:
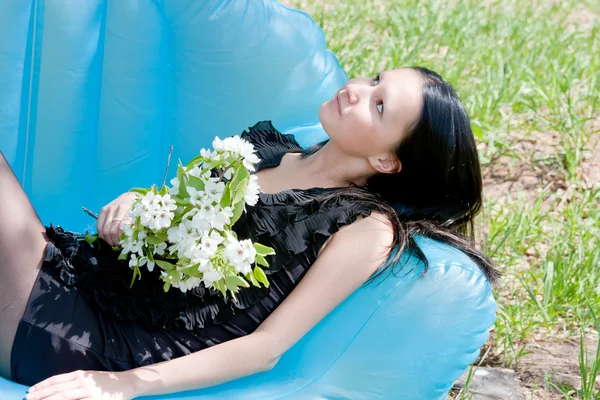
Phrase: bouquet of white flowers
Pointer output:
(186, 230)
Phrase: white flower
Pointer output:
(186, 247)
(188, 284)
(205, 266)
(150, 265)
(217, 144)
(130, 246)
(210, 277)
(168, 203)
(214, 189)
(200, 223)
(249, 161)
(163, 220)
(243, 268)
(160, 249)
(252, 191)
(206, 153)
(196, 195)
(196, 171)
(210, 243)
(207, 211)
(174, 186)
(238, 146)
(133, 261)
(150, 199)
(221, 218)
(234, 252)
(249, 250)
(177, 233)
(228, 174)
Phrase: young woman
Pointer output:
(400, 160)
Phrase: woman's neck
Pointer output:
(331, 167)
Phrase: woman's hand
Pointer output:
(113, 215)
(89, 385)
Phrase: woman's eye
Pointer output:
(376, 80)
(380, 107)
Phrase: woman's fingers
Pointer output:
(115, 227)
(104, 223)
(58, 391)
(52, 385)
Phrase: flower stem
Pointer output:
(167, 169)
(90, 213)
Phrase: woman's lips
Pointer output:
(336, 103)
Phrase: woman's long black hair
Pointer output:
(438, 192)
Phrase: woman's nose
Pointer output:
(353, 93)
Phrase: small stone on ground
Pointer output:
(491, 384)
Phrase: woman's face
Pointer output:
(368, 117)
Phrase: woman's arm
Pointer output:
(354, 253)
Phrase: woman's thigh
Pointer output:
(22, 246)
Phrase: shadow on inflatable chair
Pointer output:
(97, 91)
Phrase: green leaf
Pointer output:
(260, 276)
(252, 279)
(154, 188)
(260, 260)
(123, 256)
(153, 240)
(196, 183)
(195, 161)
(149, 255)
(182, 192)
(220, 286)
(172, 276)
(240, 175)
(240, 191)
(164, 190)
(167, 286)
(235, 281)
(90, 238)
(162, 236)
(141, 191)
(136, 273)
(263, 250)
(213, 164)
(167, 266)
(183, 261)
(192, 270)
(226, 196)
(237, 212)
(180, 171)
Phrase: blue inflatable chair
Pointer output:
(92, 95)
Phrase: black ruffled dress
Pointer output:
(82, 314)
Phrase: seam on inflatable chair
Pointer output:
(101, 39)
(385, 299)
(34, 34)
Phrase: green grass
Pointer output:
(526, 70)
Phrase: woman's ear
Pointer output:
(386, 164)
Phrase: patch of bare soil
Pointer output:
(527, 167)
(546, 359)
(555, 360)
